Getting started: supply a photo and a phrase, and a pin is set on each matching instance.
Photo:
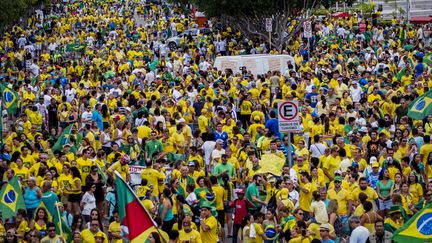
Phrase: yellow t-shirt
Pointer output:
(152, 176)
(88, 237)
(342, 198)
(211, 235)
(219, 196)
(114, 227)
(305, 199)
(84, 165)
(192, 237)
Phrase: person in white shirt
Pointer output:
(317, 149)
(360, 234)
(355, 91)
(88, 202)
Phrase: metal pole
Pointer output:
(270, 41)
(289, 150)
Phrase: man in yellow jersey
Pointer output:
(208, 224)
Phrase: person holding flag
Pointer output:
(52, 237)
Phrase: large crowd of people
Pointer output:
(101, 75)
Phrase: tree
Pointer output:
(11, 10)
(249, 16)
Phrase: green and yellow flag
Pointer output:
(61, 226)
(418, 229)
(421, 106)
(11, 199)
(9, 98)
(65, 138)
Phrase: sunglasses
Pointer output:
(51, 230)
(94, 224)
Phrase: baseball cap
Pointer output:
(338, 178)
(325, 227)
(374, 164)
(241, 191)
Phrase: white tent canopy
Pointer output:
(257, 64)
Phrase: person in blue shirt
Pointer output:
(313, 97)
(97, 117)
(273, 124)
(219, 134)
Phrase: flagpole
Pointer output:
(142, 205)
(60, 220)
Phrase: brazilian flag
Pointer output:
(65, 138)
(75, 48)
(61, 227)
(421, 106)
(11, 199)
(10, 98)
(428, 59)
(417, 229)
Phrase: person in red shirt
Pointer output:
(240, 206)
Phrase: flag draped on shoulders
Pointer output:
(10, 98)
(133, 214)
(417, 229)
(11, 199)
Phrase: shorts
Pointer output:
(385, 204)
(227, 208)
(73, 198)
(221, 217)
(63, 124)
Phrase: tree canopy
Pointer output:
(11, 10)
(250, 16)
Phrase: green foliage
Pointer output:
(218, 8)
(11, 10)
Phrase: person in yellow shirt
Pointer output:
(153, 177)
(122, 167)
(331, 164)
(364, 188)
(188, 234)
(306, 190)
(341, 195)
(208, 224)
(84, 164)
(89, 235)
(114, 230)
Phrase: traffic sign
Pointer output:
(269, 25)
(288, 116)
(307, 26)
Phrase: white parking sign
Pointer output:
(269, 25)
(288, 116)
(307, 26)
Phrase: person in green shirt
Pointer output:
(224, 168)
(153, 146)
(252, 194)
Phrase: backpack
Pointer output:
(272, 201)
(338, 226)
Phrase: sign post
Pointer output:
(289, 121)
(307, 26)
(269, 29)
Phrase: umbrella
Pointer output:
(421, 107)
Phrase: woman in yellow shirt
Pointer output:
(246, 110)
(114, 229)
(415, 189)
(74, 191)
